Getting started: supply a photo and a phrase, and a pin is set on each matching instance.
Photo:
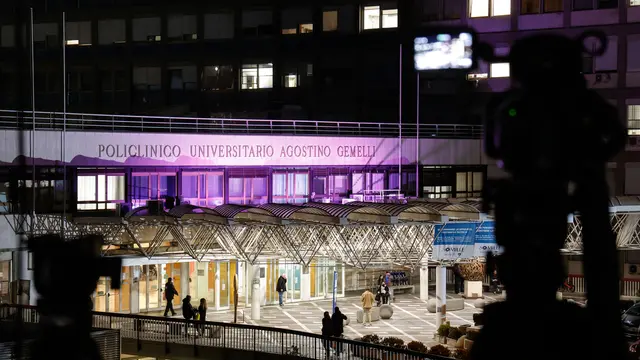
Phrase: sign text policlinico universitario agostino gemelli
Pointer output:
(158, 151)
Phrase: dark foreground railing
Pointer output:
(229, 336)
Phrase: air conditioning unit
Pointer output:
(155, 207)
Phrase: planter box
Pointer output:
(468, 344)
(452, 341)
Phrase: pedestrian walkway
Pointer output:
(411, 321)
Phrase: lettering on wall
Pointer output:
(159, 151)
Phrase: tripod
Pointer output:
(553, 137)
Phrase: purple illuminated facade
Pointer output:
(106, 169)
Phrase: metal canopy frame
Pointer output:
(363, 235)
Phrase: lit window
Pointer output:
(257, 76)
(499, 70)
(633, 119)
(390, 18)
(78, 33)
(306, 28)
(289, 31)
(371, 17)
(151, 186)
(203, 189)
(478, 76)
(100, 192)
(290, 187)
(291, 80)
(485, 8)
(634, 3)
(330, 20)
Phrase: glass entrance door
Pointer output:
(100, 299)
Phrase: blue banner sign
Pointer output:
(464, 240)
(485, 240)
(454, 240)
(335, 289)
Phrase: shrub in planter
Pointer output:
(443, 330)
(439, 350)
(371, 339)
(393, 342)
(478, 319)
(461, 354)
(417, 346)
(463, 329)
(454, 334)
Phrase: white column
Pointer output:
(305, 284)
(424, 282)
(216, 292)
(256, 292)
(20, 269)
(441, 295)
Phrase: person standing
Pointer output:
(188, 312)
(367, 299)
(202, 315)
(169, 293)
(458, 280)
(327, 332)
(338, 319)
(281, 288)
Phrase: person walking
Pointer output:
(281, 288)
(337, 320)
(169, 293)
(327, 332)
(367, 300)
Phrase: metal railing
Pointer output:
(9, 119)
(228, 335)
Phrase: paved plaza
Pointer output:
(410, 321)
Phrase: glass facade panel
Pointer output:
(100, 191)
(155, 283)
(203, 189)
(151, 186)
(290, 187)
(224, 284)
(125, 289)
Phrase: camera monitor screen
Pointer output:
(443, 52)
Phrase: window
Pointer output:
(367, 182)
(290, 78)
(390, 18)
(203, 189)
(442, 10)
(633, 119)
(45, 36)
(257, 23)
(407, 184)
(218, 78)
(7, 36)
(258, 76)
(290, 186)
(594, 4)
(100, 191)
(78, 33)
(469, 184)
(540, 6)
(147, 82)
(111, 32)
(330, 20)
(634, 3)
(633, 52)
(297, 21)
(182, 28)
(485, 8)
(248, 187)
(48, 189)
(146, 29)
(607, 62)
(329, 185)
(437, 192)
(151, 186)
(218, 26)
(499, 70)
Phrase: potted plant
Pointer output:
(417, 346)
(395, 343)
(453, 336)
(470, 337)
(439, 350)
(442, 332)
(366, 352)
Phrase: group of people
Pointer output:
(333, 326)
(188, 311)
